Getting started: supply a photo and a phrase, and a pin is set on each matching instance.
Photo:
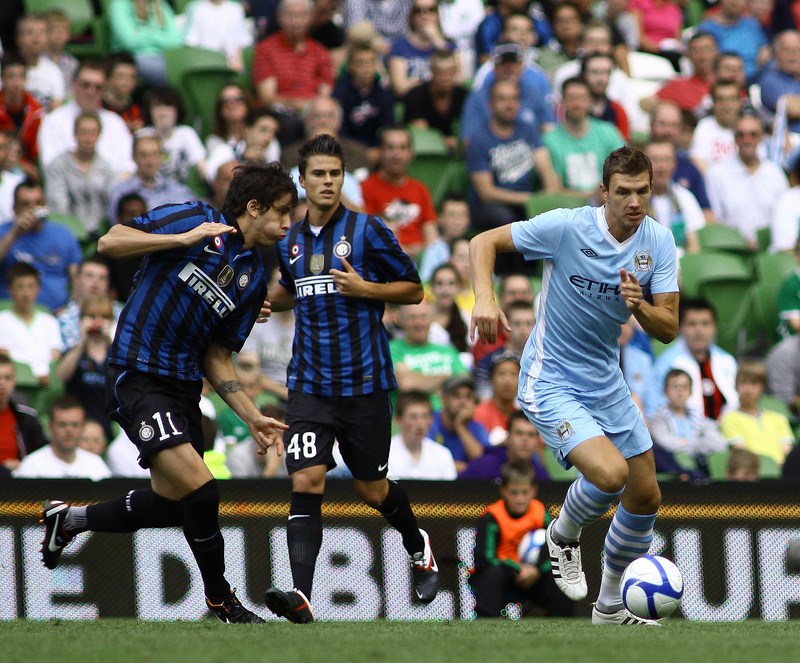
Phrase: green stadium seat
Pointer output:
(79, 12)
(774, 268)
(71, 222)
(765, 312)
(246, 75)
(200, 87)
(715, 236)
(718, 465)
(186, 58)
(769, 468)
(764, 238)
(774, 404)
(428, 142)
(99, 46)
(711, 266)
(558, 473)
(428, 168)
(545, 201)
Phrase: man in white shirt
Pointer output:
(44, 78)
(744, 188)
(713, 140)
(413, 455)
(63, 458)
(57, 133)
(672, 205)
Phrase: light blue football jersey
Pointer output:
(574, 342)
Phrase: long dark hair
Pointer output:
(456, 327)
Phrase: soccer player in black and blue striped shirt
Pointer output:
(338, 268)
(195, 299)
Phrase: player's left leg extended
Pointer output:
(391, 501)
(630, 533)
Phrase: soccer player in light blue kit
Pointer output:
(601, 264)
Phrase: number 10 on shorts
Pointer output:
(308, 446)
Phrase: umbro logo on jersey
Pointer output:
(589, 253)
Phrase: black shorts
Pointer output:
(361, 424)
(155, 412)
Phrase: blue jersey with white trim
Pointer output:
(340, 344)
(575, 339)
(183, 300)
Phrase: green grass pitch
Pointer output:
(529, 641)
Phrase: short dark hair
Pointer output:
(119, 58)
(92, 64)
(518, 305)
(27, 183)
(408, 398)
(518, 415)
(127, 198)
(626, 160)
(12, 59)
(573, 80)
(694, 304)
(517, 473)
(19, 270)
(65, 402)
(264, 183)
(163, 96)
(323, 144)
(595, 56)
(675, 373)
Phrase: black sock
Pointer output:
(304, 536)
(397, 510)
(201, 529)
(136, 510)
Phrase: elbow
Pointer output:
(667, 335)
(103, 247)
(416, 296)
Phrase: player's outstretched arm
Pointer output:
(349, 283)
(122, 242)
(659, 319)
(483, 250)
(219, 370)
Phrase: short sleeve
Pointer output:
(540, 236)
(665, 273)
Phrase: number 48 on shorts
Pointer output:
(302, 445)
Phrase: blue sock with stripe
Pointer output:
(628, 538)
(583, 504)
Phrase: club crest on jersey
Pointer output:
(146, 432)
(643, 261)
(317, 263)
(564, 430)
(342, 248)
(225, 276)
(243, 280)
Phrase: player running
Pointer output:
(195, 300)
(601, 265)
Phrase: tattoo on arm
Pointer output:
(230, 386)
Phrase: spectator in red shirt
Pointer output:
(20, 113)
(290, 69)
(403, 202)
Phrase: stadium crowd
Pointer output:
(454, 117)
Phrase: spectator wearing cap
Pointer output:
(506, 161)
(534, 92)
(494, 411)
(454, 425)
(523, 444)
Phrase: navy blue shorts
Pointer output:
(156, 412)
(361, 424)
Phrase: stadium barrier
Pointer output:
(728, 539)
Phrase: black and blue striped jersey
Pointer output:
(340, 344)
(183, 300)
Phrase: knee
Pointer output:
(307, 483)
(612, 477)
(372, 492)
(647, 501)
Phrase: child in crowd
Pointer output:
(498, 576)
(183, 148)
(763, 432)
(121, 81)
(676, 429)
(58, 34)
(743, 465)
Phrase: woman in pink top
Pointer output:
(660, 25)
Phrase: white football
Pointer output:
(530, 547)
(652, 587)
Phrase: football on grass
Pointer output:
(652, 587)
